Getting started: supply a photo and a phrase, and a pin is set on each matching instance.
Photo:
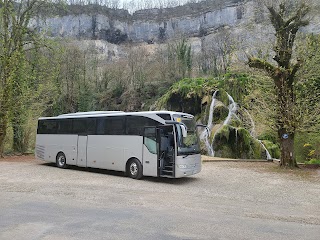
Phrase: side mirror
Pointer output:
(183, 130)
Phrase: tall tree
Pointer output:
(184, 55)
(286, 17)
(15, 41)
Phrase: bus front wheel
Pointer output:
(61, 160)
(134, 169)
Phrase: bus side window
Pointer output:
(65, 126)
(136, 124)
(47, 127)
(114, 126)
(79, 126)
(100, 126)
(91, 126)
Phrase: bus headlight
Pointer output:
(183, 166)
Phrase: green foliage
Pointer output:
(313, 161)
(273, 148)
(307, 146)
(20, 80)
(188, 89)
(308, 88)
(269, 135)
(236, 84)
(183, 54)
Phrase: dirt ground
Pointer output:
(226, 200)
(19, 158)
(304, 172)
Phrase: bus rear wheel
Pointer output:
(134, 169)
(61, 160)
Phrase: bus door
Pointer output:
(150, 152)
(166, 150)
(82, 151)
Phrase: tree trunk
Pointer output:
(287, 149)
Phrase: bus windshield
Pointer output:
(190, 144)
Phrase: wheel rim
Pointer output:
(133, 169)
(61, 160)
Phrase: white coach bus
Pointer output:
(155, 143)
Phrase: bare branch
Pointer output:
(263, 65)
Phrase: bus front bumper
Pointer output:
(183, 170)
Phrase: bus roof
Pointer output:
(114, 113)
(89, 113)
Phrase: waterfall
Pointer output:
(233, 107)
(253, 126)
(232, 110)
(207, 132)
(267, 152)
(252, 133)
(213, 102)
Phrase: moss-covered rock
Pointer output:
(188, 95)
(273, 148)
(222, 96)
(233, 140)
(238, 142)
(220, 113)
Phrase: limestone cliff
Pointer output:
(200, 22)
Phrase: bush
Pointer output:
(307, 146)
(313, 161)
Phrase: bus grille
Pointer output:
(40, 150)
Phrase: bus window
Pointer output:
(100, 126)
(79, 126)
(65, 126)
(114, 126)
(47, 127)
(136, 124)
(164, 116)
(91, 126)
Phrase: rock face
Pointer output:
(155, 25)
(203, 24)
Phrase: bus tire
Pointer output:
(134, 169)
(61, 160)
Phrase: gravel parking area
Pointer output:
(227, 200)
